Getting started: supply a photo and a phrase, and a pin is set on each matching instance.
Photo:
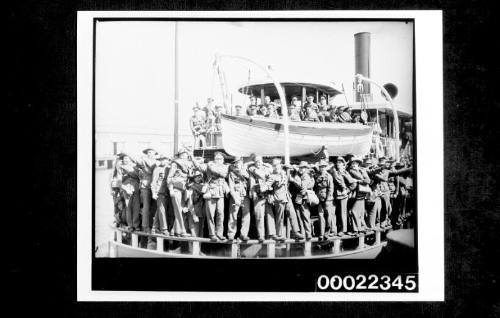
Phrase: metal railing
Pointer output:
(196, 247)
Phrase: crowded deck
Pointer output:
(182, 206)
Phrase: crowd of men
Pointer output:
(185, 196)
(206, 121)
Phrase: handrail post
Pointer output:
(135, 240)
(271, 250)
(159, 244)
(361, 242)
(196, 248)
(113, 252)
(307, 248)
(234, 250)
(118, 236)
(377, 237)
(336, 246)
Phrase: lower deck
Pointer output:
(140, 244)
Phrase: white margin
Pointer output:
(429, 92)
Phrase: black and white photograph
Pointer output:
(271, 141)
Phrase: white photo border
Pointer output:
(429, 92)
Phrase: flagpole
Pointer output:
(176, 89)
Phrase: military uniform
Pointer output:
(197, 124)
(159, 192)
(258, 195)
(238, 181)
(130, 193)
(252, 110)
(342, 181)
(272, 113)
(118, 202)
(323, 110)
(381, 179)
(294, 114)
(281, 204)
(361, 191)
(310, 112)
(197, 206)
(326, 209)
(178, 175)
(146, 166)
(302, 184)
(214, 197)
(218, 117)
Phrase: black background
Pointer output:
(40, 174)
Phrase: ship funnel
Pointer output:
(362, 63)
(391, 89)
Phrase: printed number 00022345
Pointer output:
(362, 282)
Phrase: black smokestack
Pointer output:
(362, 59)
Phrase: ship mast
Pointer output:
(281, 94)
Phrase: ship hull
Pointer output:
(127, 251)
(243, 136)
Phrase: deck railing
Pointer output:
(196, 247)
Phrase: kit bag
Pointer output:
(312, 198)
(364, 189)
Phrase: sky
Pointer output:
(135, 64)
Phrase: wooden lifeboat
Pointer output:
(243, 136)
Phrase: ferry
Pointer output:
(244, 136)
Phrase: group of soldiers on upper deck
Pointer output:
(184, 196)
(206, 121)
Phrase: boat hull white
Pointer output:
(243, 136)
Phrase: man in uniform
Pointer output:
(326, 209)
(310, 109)
(272, 113)
(159, 193)
(252, 107)
(130, 192)
(263, 111)
(303, 183)
(381, 178)
(342, 181)
(219, 110)
(146, 165)
(267, 100)
(209, 108)
(280, 202)
(196, 203)
(361, 191)
(238, 181)
(180, 170)
(197, 125)
(115, 184)
(216, 172)
(252, 110)
(293, 113)
(373, 201)
(258, 193)
(323, 108)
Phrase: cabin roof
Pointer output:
(383, 108)
(292, 87)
